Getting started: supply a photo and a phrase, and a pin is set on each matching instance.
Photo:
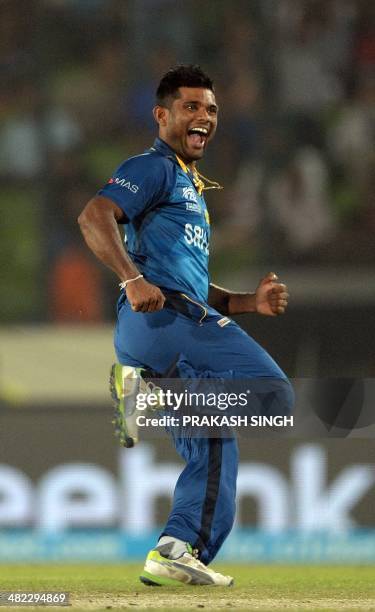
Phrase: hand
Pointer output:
(271, 297)
(144, 297)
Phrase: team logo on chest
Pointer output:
(192, 204)
(189, 194)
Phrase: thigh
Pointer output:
(157, 339)
(154, 339)
(231, 348)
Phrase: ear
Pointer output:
(161, 115)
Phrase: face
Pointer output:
(190, 122)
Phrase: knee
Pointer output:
(273, 397)
(288, 396)
(284, 398)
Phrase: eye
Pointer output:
(191, 106)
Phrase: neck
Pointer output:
(186, 165)
(190, 164)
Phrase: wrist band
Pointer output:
(124, 284)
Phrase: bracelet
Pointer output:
(124, 284)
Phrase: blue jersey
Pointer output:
(167, 228)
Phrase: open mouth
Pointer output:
(197, 137)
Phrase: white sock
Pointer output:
(171, 547)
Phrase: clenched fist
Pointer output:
(271, 297)
(144, 297)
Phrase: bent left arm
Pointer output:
(270, 298)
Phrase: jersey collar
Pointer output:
(199, 181)
(162, 147)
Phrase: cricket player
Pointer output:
(169, 313)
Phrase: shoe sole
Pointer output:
(157, 581)
(151, 580)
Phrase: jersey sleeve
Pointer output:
(139, 184)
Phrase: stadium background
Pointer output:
(295, 81)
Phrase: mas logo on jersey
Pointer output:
(189, 194)
(123, 183)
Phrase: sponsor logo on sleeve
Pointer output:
(123, 183)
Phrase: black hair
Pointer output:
(181, 76)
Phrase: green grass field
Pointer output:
(116, 587)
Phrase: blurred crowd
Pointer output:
(295, 82)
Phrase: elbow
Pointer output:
(84, 218)
(97, 212)
(81, 220)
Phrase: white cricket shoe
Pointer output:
(161, 571)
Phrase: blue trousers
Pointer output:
(204, 499)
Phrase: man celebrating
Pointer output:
(169, 313)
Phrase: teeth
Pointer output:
(200, 130)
